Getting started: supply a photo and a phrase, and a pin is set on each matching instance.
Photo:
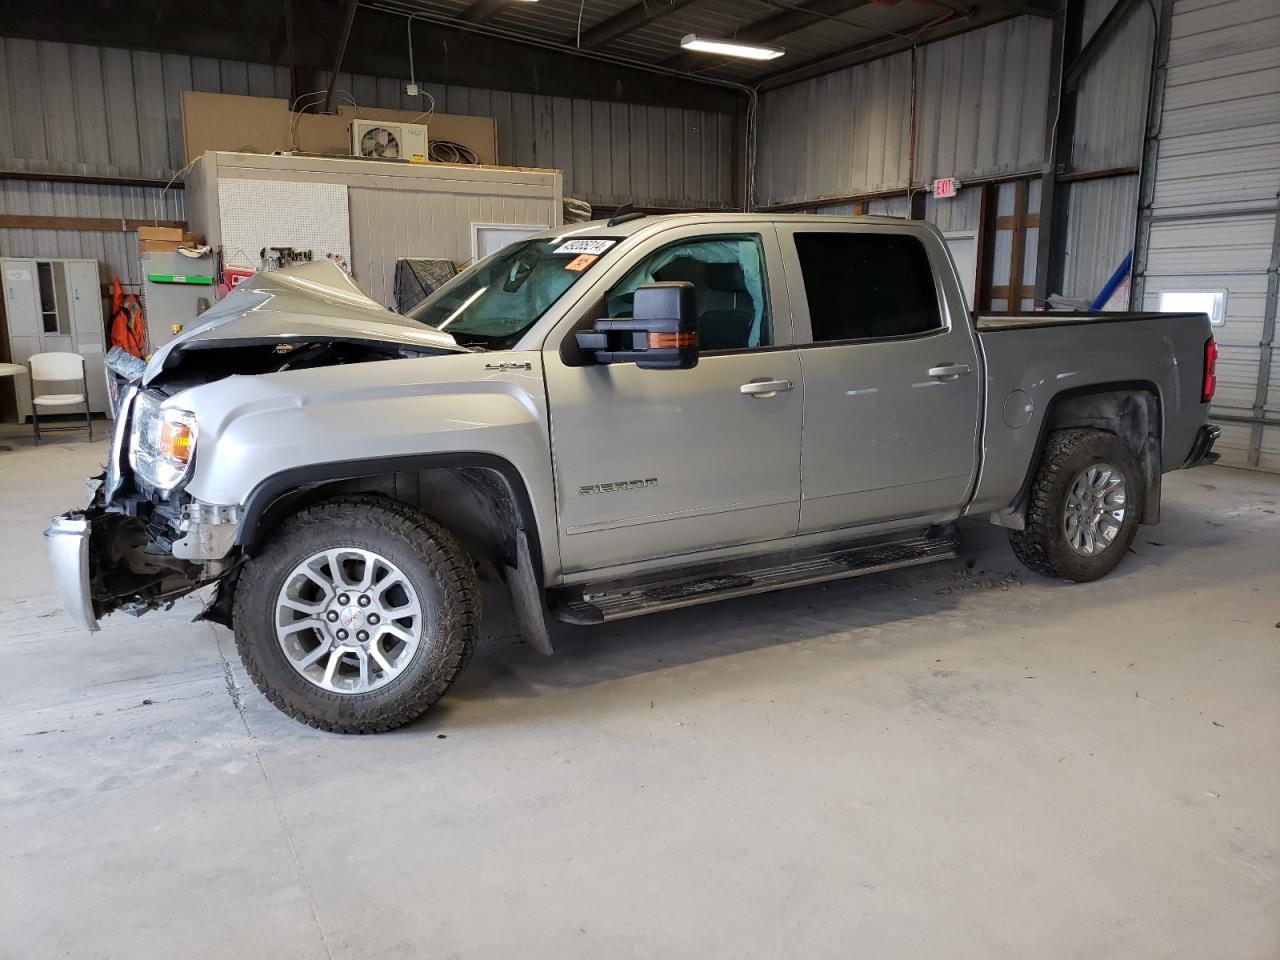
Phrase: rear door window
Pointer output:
(867, 286)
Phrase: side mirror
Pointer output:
(661, 334)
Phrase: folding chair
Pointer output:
(63, 367)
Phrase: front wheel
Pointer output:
(1084, 507)
(358, 615)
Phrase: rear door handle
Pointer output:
(764, 389)
(949, 371)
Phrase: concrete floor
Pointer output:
(956, 761)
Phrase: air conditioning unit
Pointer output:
(386, 140)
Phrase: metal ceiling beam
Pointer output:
(483, 10)
(238, 30)
(879, 49)
(772, 28)
(343, 40)
(1102, 37)
(632, 18)
(1030, 8)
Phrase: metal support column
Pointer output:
(1266, 348)
(342, 52)
(1068, 30)
(1150, 157)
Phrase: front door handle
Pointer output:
(949, 371)
(764, 389)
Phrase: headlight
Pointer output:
(162, 442)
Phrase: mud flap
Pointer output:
(527, 600)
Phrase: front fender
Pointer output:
(260, 434)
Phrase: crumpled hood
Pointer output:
(312, 302)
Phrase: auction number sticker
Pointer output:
(593, 247)
(581, 262)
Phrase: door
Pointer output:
(22, 302)
(84, 288)
(22, 312)
(891, 377)
(652, 464)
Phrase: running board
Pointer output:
(598, 603)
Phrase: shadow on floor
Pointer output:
(505, 668)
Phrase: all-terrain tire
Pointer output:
(1043, 546)
(441, 573)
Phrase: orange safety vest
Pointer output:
(127, 330)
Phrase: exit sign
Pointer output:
(945, 187)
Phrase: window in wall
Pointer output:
(1212, 302)
(1011, 227)
(728, 280)
(863, 286)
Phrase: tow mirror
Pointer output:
(661, 333)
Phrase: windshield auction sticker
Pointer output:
(593, 247)
(581, 262)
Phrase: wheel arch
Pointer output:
(1133, 410)
(487, 499)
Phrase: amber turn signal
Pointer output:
(176, 440)
(667, 340)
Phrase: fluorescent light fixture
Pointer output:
(730, 48)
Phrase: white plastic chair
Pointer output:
(62, 367)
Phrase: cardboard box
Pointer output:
(151, 244)
(170, 234)
(240, 124)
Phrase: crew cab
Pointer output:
(614, 418)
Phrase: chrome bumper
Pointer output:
(67, 544)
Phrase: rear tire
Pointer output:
(358, 615)
(1084, 507)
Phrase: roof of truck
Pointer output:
(602, 228)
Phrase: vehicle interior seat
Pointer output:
(726, 310)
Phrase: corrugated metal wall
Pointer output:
(1101, 218)
(1110, 109)
(70, 108)
(980, 112)
(1213, 223)
(115, 251)
(101, 111)
(1112, 96)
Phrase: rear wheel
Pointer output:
(357, 616)
(1084, 507)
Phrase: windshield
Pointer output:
(493, 303)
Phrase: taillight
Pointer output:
(1210, 370)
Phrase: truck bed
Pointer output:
(1034, 359)
(986, 323)
(994, 322)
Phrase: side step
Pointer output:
(616, 600)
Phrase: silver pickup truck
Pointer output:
(613, 419)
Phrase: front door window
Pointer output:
(729, 287)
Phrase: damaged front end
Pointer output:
(143, 541)
(123, 551)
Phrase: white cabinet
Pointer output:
(55, 306)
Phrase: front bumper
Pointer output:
(1202, 449)
(67, 544)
